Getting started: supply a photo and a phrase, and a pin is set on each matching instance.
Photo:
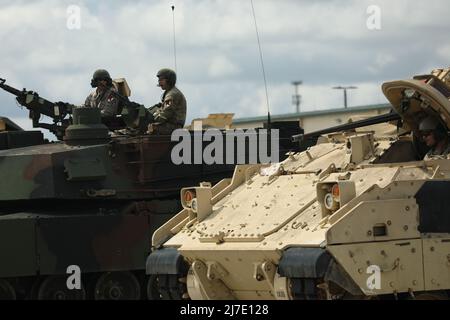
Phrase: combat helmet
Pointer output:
(100, 74)
(428, 124)
(432, 124)
(169, 75)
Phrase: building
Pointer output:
(316, 120)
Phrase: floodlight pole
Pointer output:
(345, 92)
(296, 98)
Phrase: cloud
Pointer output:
(444, 51)
(382, 60)
(220, 66)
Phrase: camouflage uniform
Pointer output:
(105, 101)
(170, 114)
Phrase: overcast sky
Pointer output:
(323, 43)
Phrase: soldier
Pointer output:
(435, 136)
(170, 113)
(102, 98)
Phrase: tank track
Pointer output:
(95, 286)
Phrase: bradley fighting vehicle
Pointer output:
(358, 215)
(86, 204)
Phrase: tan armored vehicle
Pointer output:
(358, 215)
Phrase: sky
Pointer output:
(47, 47)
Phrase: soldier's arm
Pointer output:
(87, 101)
(167, 112)
(155, 107)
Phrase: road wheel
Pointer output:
(117, 286)
(55, 288)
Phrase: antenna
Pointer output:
(261, 58)
(174, 42)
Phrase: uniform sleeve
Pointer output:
(168, 110)
(87, 102)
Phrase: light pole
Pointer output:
(296, 98)
(345, 92)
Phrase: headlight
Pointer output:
(194, 205)
(330, 202)
(333, 195)
(187, 197)
(335, 191)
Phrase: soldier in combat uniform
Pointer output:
(170, 113)
(435, 136)
(101, 97)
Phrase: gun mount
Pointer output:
(60, 111)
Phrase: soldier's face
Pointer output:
(102, 84)
(163, 83)
(429, 138)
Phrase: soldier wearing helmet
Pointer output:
(434, 134)
(170, 113)
(102, 97)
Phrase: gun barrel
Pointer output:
(10, 89)
(392, 116)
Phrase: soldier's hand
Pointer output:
(154, 107)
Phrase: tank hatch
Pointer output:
(86, 128)
(423, 95)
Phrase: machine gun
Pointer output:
(37, 106)
(134, 115)
(392, 116)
